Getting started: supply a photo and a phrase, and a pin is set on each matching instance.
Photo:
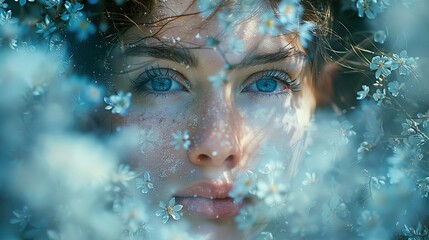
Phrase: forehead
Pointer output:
(171, 8)
(185, 27)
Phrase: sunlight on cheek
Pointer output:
(275, 115)
(306, 103)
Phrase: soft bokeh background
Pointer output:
(62, 178)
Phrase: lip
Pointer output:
(208, 199)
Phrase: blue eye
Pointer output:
(266, 85)
(271, 82)
(159, 80)
(161, 84)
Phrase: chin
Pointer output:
(224, 229)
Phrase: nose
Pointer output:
(215, 138)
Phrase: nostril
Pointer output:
(203, 158)
(229, 159)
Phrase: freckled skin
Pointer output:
(226, 125)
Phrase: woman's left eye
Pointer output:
(162, 84)
(264, 85)
(270, 82)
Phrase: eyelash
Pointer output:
(151, 73)
(282, 76)
(154, 72)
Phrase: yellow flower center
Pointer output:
(248, 182)
(273, 188)
(288, 9)
(133, 214)
(169, 210)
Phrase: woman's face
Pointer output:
(238, 107)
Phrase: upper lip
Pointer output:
(207, 189)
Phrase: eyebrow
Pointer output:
(253, 58)
(175, 54)
(183, 55)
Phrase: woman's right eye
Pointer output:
(158, 81)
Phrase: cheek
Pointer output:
(154, 146)
(268, 117)
(273, 129)
(270, 126)
(154, 152)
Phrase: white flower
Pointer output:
(134, 215)
(244, 185)
(144, 183)
(269, 24)
(270, 191)
(290, 11)
(342, 132)
(272, 167)
(377, 182)
(379, 95)
(368, 220)
(118, 103)
(169, 210)
(181, 139)
(311, 179)
(380, 36)
(123, 175)
(21, 217)
(13, 44)
(363, 93)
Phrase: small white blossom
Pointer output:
(270, 191)
(181, 140)
(21, 217)
(363, 93)
(123, 175)
(118, 103)
(377, 182)
(169, 210)
(244, 185)
(135, 218)
(144, 183)
(311, 179)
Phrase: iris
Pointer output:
(266, 85)
(161, 84)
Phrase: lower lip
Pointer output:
(217, 208)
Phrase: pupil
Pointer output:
(266, 85)
(161, 84)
